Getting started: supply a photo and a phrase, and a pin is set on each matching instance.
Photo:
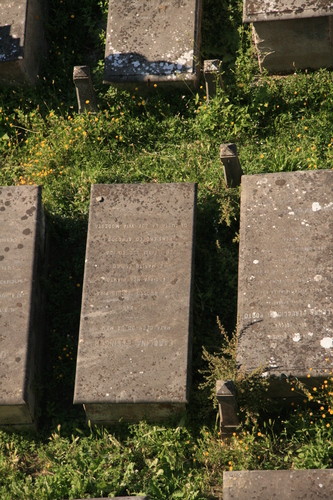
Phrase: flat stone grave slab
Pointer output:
(22, 231)
(285, 285)
(153, 41)
(135, 334)
(21, 40)
(291, 34)
(283, 484)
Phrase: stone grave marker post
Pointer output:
(85, 92)
(213, 76)
(231, 167)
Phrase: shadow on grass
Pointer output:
(63, 285)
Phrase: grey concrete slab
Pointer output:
(22, 41)
(275, 10)
(285, 286)
(274, 484)
(153, 41)
(135, 333)
(22, 231)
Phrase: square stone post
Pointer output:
(228, 407)
(85, 92)
(231, 166)
(213, 75)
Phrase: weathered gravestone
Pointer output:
(285, 286)
(22, 232)
(21, 41)
(135, 334)
(283, 484)
(153, 41)
(291, 34)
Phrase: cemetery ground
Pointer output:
(279, 124)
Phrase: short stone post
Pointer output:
(212, 74)
(85, 92)
(227, 406)
(231, 166)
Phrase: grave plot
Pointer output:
(22, 232)
(153, 42)
(21, 41)
(135, 334)
(291, 34)
(286, 484)
(285, 283)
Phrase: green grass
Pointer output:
(279, 124)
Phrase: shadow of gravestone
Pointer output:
(10, 48)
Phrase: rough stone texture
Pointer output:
(285, 285)
(21, 40)
(270, 10)
(228, 408)
(22, 231)
(231, 167)
(85, 92)
(286, 46)
(213, 77)
(153, 41)
(274, 484)
(134, 344)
